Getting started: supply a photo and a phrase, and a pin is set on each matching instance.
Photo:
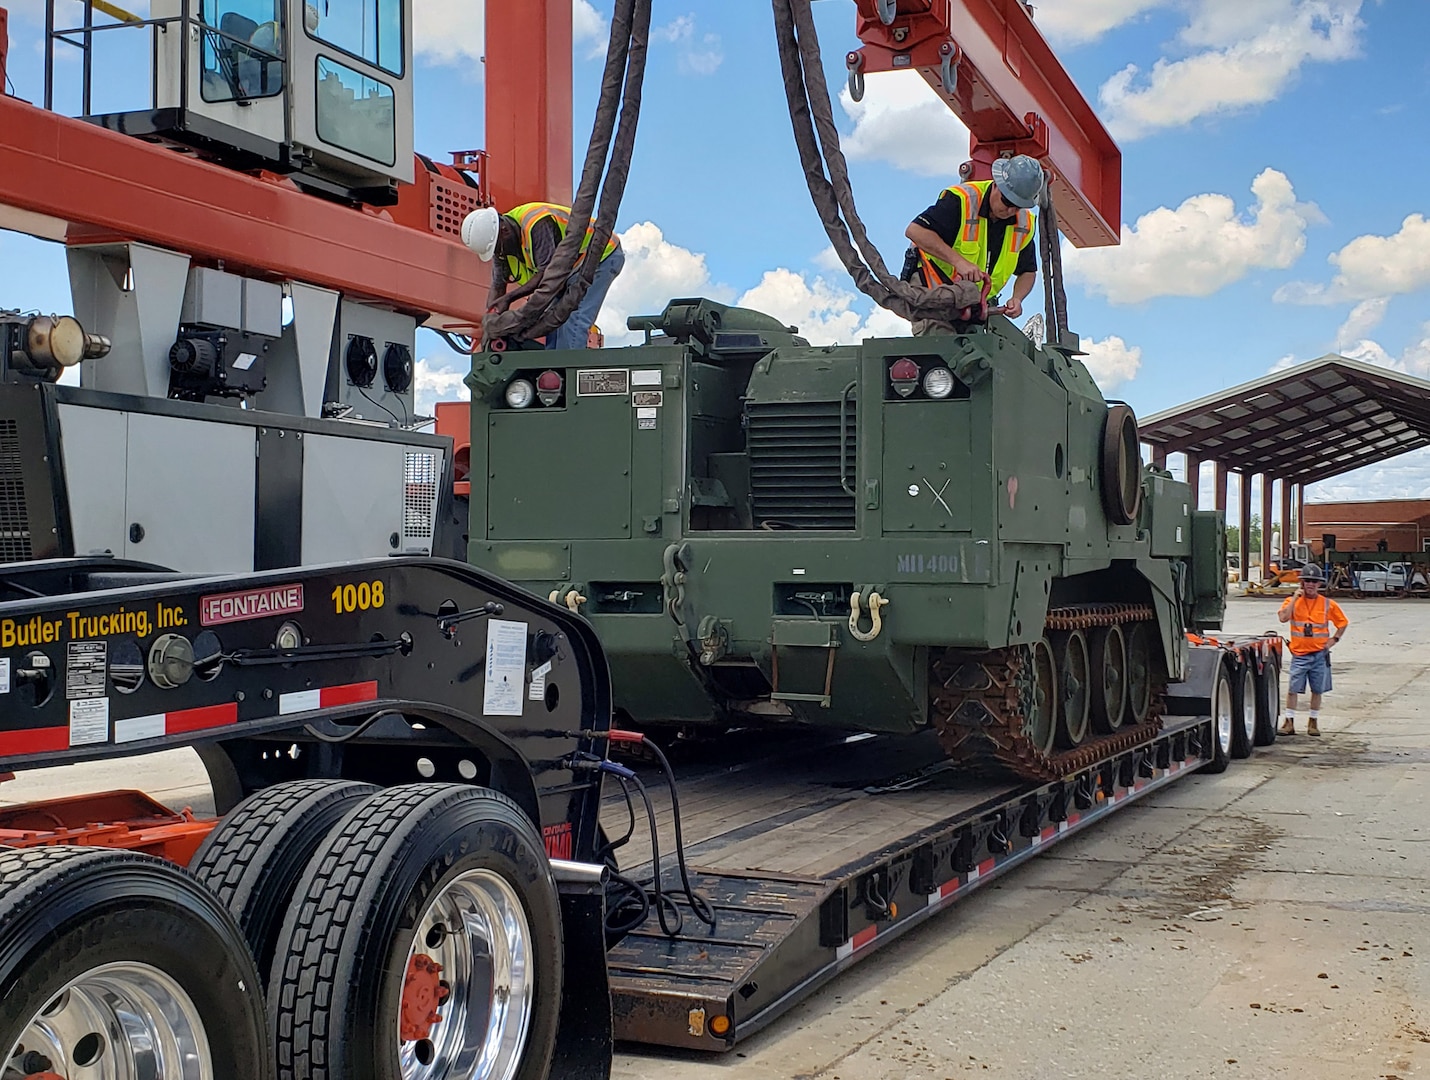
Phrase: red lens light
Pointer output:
(904, 371)
(549, 381)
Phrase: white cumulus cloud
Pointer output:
(656, 272)
(436, 380)
(1371, 266)
(824, 313)
(1364, 318)
(454, 31)
(1111, 361)
(1073, 22)
(903, 122)
(1242, 53)
(1200, 247)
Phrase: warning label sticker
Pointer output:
(607, 383)
(506, 668)
(652, 398)
(4, 675)
(86, 665)
(89, 721)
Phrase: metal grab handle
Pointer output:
(844, 483)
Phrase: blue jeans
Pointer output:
(573, 332)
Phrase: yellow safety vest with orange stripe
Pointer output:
(1308, 635)
(972, 242)
(523, 266)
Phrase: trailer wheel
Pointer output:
(1243, 708)
(423, 943)
(255, 857)
(1074, 697)
(1139, 673)
(1109, 678)
(115, 965)
(1268, 701)
(1223, 722)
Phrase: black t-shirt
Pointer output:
(945, 217)
(545, 236)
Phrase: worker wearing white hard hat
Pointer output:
(982, 230)
(522, 241)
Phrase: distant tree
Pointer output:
(1233, 536)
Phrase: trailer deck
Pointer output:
(814, 852)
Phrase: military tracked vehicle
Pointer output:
(953, 532)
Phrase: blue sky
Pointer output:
(1274, 207)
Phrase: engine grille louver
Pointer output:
(795, 475)
(15, 542)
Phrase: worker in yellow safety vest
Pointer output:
(522, 241)
(981, 230)
(1311, 616)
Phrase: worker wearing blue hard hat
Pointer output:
(982, 230)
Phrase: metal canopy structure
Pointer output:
(1308, 423)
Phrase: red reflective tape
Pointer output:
(1050, 832)
(948, 888)
(351, 694)
(34, 741)
(1073, 819)
(863, 937)
(210, 716)
(987, 866)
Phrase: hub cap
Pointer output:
(468, 984)
(117, 1022)
(1223, 716)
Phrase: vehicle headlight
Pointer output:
(938, 382)
(519, 393)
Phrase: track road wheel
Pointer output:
(1108, 652)
(115, 966)
(1040, 706)
(1139, 673)
(423, 943)
(1268, 702)
(1223, 722)
(1243, 707)
(1074, 697)
(254, 858)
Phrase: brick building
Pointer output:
(1403, 525)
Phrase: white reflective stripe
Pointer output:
(302, 701)
(140, 727)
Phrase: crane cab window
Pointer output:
(240, 61)
(368, 30)
(356, 113)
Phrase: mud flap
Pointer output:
(584, 1038)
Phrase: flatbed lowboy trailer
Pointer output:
(318, 711)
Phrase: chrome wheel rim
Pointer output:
(126, 1021)
(471, 968)
(1248, 707)
(1223, 715)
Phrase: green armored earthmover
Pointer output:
(952, 531)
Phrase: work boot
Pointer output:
(1288, 727)
(1312, 729)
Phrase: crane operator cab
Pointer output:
(317, 89)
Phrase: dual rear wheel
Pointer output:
(411, 933)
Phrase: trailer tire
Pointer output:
(1223, 721)
(355, 986)
(255, 857)
(108, 952)
(1243, 706)
(1268, 701)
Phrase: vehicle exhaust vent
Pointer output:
(15, 545)
(800, 476)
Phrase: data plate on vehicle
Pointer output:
(616, 381)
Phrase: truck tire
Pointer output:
(1268, 701)
(1243, 708)
(255, 857)
(107, 955)
(359, 990)
(1223, 722)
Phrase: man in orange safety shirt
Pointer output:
(1311, 616)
